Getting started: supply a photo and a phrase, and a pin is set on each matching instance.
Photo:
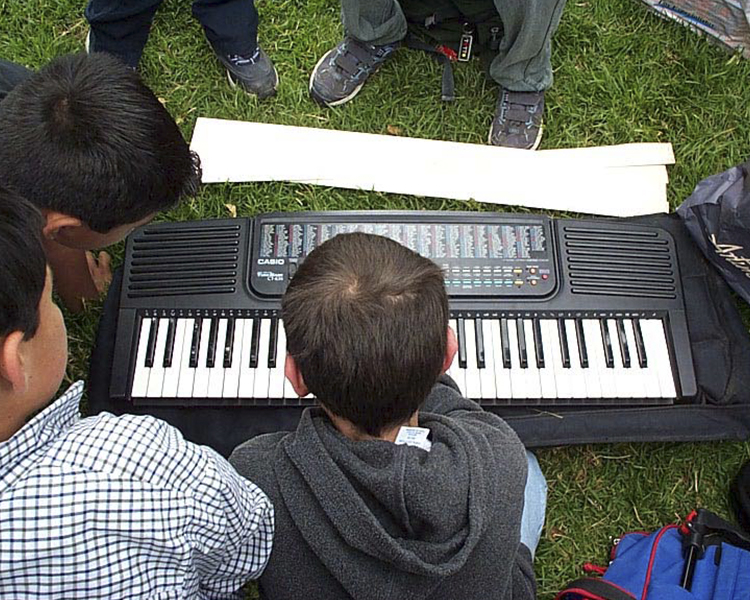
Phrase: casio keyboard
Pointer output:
(547, 311)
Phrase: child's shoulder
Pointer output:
(131, 447)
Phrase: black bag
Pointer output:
(739, 494)
(453, 30)
(717, 214)
(719, 343)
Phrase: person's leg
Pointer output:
(523, 70)
(231, 28)
(376, 22)
(523, 60)
(120, 27)
(535, 505)
(11, 74)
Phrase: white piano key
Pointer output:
(534, 385)
(202, 372)
(639, 377)
(260, 384)
(216, 373)
(141, 371)
(172, 374)
(487, 375)
(553, 384)
(187, 373)
(454, 371)
(156, 377)
(232, 373)
(247, 375)
(517, 375)
(473, 385)
(626, 387)
(578, 376)
(597, 364)
(651, 387)
(276, 379)
(502, 375)
(655, 340)
(280, 363)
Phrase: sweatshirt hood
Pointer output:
(407, 516)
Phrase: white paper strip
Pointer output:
(623, 180)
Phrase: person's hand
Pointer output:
(100, 270)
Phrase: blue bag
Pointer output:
(705, 559)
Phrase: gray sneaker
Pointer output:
(255, 74)
(518, 120)
(342, 72)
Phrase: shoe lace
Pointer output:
(241, 59)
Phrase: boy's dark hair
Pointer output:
(366, 321)
(85, 137)
(23, 266)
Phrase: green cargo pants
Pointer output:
(523, 61)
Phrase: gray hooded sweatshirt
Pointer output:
(372, 520)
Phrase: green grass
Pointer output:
(621, 75)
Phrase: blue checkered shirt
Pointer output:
(123, 507)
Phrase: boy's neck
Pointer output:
(349, 430)
(12, 418)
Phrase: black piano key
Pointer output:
(195, 342)
(461, 344)
(151, 348)
(213, 333)
(229, 343)
(639, 345)
(583, 352)
(254, 343)
(624, 350)
(272, 340)
(564, 349)
(523, 356)
(609, 357)
(505, 341)
(479, 330)
(538, 345)
(169, 347)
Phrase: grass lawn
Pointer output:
(621, 75)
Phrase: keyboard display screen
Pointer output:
(433, 241)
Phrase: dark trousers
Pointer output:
(11, 75)
(121, 27)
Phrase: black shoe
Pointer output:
(518, 120)
(255, 74)
(341, 72)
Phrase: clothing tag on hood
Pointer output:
(414, 436)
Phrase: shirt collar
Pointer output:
(46, 426)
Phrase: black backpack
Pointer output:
(453, 31)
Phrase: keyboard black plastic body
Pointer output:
(498, 267)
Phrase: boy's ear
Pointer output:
(451, 347)
(56, 221)
(12, 367)
(294, 376)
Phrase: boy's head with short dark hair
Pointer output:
(22, 265)
(33, 339)
(86, 138)
(366, 321)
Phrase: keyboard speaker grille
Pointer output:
(184, 260)
(619, 262)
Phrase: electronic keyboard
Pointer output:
(546, 311)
